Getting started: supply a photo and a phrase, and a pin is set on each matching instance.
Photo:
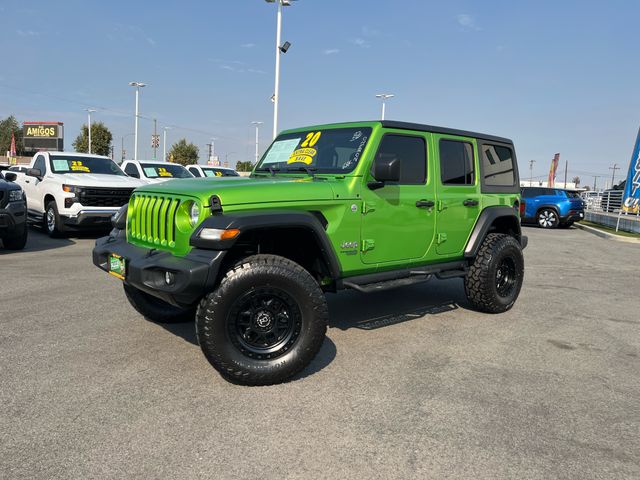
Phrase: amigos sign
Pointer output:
(43, 136)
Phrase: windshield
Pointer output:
(219, 172)
(170, 170)
(62, 164)
(335, 150)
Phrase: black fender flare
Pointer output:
(488, 216)
(263, 220)
(550, 206)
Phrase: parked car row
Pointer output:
(68, 191)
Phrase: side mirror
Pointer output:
(385, 170)
(10, 176)
(34, 172)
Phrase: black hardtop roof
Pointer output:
(442, 130)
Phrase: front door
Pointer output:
(398, 219)
(458, 192)
(32, 188)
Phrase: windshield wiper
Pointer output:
(309, 170)
(270, 169)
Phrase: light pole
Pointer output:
(384, 97)
(280, 49)
(226, 158)
(531, 162)
(89, 112)
(164, 143)
(257, 124)
(138, 86)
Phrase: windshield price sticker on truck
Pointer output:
(281, 150)
(78, 166)
(163, 172)
(60, 166)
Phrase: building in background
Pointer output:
(39, 136)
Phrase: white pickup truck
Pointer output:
(74, 190)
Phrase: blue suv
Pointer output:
(551, 207)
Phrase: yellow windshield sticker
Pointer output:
(302, 155)
(78, 166)
(163, 172)
(218, 174)
(311, 139)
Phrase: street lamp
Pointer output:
(89, 112)
(257, 124)
(164, 143)
(384, 97)
(280, 49)
(138, 86)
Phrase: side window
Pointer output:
(195, 172)
(40, 165)
(527, 193)
(497, 166)
(131, 170)
(412, 153)
(456, 163)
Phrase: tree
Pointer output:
(100, 139)
(244, 166)
(576, 180)
(184, 153)
(8, 125)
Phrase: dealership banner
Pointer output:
(552, 172)
(631, 197)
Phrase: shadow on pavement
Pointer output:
(39, 241)
(371, 311)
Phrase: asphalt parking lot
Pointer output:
(409, 382)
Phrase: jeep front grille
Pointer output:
(151, 219)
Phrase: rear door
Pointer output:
(398, 221)
(458, 192)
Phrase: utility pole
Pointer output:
(595, 178)
(210, 145)
(613, 174)
(155, 135)
(531, 162)
(566, 166)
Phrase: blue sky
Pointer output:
(556, 76)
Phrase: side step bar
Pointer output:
(376, 282)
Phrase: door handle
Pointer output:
(27, 181)
(425, 204)
(470, 203)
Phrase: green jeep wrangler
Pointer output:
(362, 205)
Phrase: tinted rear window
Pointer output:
(497, 166)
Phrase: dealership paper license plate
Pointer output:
(117, 266)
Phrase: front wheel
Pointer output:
(52, 222)
(548, 218)
(495, 277)
(265, 322)
(17, 240)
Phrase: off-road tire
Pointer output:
(547, 218)
(17, 240)
(482, 282)
(157, 310)
(225, 339)
(53, 225)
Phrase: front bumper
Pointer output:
(12, 216)
(90, 218)
(195, 274)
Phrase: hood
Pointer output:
(244, 190)
(99, 180)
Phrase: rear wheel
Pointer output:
(17, 240)
(495, 277)
(548, 218)
(157, 310)
(265, 322)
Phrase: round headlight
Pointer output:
(194, 213)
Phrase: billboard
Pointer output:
(631, 197)
(552, 171)
(38, 136)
